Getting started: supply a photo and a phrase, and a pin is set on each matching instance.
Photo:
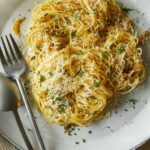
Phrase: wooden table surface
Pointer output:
(146, 146)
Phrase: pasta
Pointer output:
(81, 54)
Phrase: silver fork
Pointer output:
(14, 66)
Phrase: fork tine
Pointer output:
(2, 58)
(6, 51)
(11, 50)
(16, 47)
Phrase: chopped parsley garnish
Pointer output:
(51, 74)
(108, 127)
(96, 84)
(33, 58)
(53, 16)
(67, 20)
(38, 47)
(73, 34)
(58, 98)
(125, 109)
(90, 132)
(62, 108)
(42, 78)
(121, 49)
(133, 101)
(69, 133)
(79, 73)
(104, 54)
(95, 10)
(80, 53)
(26, 83)
(126, 10)
(84, 141)
(38, 73)
(77, 143)
(72, 129)
(58, 2)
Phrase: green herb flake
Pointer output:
(84, 141)
(73, 34)
(79, 73)
(33, 58)
(105, 47)
(38, 73)
(58, 98)
(104, 54)
(42, 78)
(90, 132)
(51, 74)
(133, 101)
(125, 109)
(58, 2)
(121, 49)
(126, 10)
(80, 53)
(95, 10)
(53, 16)
(27, 82)
(96, 84)
(69, 133)
(108, 127)
(38, 47)
(77, 143)
(72, 129)
(67, 21)
(62, 109)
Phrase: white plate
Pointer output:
(127, 129)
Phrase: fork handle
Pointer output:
(30, 113)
